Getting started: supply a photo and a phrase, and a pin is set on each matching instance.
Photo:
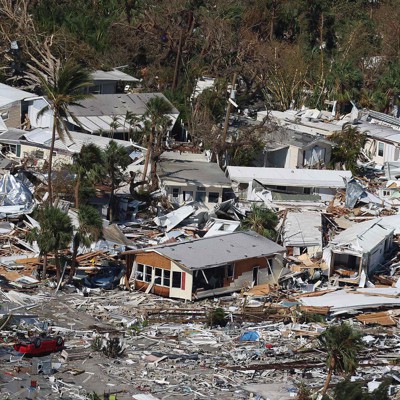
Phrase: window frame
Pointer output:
(381, 150)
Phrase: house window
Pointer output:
(176, 279)
(167, 278)
(188, 195)
(158, 276)
(380, 149)
(201, 194)
(4, 115)
(148, 274)
(39, 154)
(386, 193)
(213, 197)
(175, 193)
(307, 191)
(281, 188)
(139, 272)
(229, 271)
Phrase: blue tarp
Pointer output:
(250, 336)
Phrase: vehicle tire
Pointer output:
(59, 340)
(37, 342)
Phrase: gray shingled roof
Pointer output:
(217, 250)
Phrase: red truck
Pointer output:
(39, 345)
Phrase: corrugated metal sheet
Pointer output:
(302, 229)
(289, 177)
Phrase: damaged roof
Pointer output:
(302, 229)
(197, 173)
(11, 94)
(290, 177)
(217, 250)
(365, 236)
(116, 104)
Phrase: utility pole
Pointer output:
(228, 110)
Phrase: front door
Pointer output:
(255, 275)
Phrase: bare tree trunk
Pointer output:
(177, 63)
(44, 266)
(111, 204)
(74, 254)
(149, 147)
(329, 377)
(58, 268)
(50, 166)
(76, 190)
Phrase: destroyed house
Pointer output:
(360, 249)
(12, 106)
(205, 267)
(323, 183)
(109, 82)
(101, 113)
(287, 148)
(190, 177)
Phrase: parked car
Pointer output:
(39, 345)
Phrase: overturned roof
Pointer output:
(197, 173)
(217, 250)
(302, 229)
(290, 177)
(9, 94)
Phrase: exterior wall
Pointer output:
(185, 292)
(294, 158)
(154, 259)
(191, 188)
(247, 265)
(58, 158)
(13, 112)
(45, 120)
(391, 152)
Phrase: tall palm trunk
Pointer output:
(149, 150)
(74, 254)
(44, 266)
(76, 190)
(329, 376)
(50, 166)
(111, 204)
(58, 268)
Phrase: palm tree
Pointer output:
(63, 85)
(88, 167)
(43, 240)
(55, 233)
(341, 344)
(261, 220)
(116, 161)
(89, 231)
(114, 125)
(156, 110)
(349, 144)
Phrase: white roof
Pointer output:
(302, 229)
(343, 300)
(290, 177)
(43, 136)
(365, 236)
(113, 75)
(9, 94)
